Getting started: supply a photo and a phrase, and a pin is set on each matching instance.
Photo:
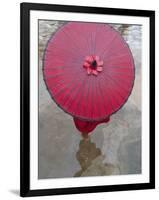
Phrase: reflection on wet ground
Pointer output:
(113, 148)
(91, 159)
(86, 154)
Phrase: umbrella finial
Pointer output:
(93, 65)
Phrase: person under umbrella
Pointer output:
(89, 72)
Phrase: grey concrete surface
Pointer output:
(113, 148)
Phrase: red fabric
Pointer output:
(86, 95)
(86, 126)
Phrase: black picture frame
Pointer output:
(25, 9)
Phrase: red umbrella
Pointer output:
(89, 72)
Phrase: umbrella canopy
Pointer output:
(89, 70)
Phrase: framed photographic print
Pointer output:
(87, 99)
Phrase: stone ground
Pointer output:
(113, 148)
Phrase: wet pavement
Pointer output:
(113, 148)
